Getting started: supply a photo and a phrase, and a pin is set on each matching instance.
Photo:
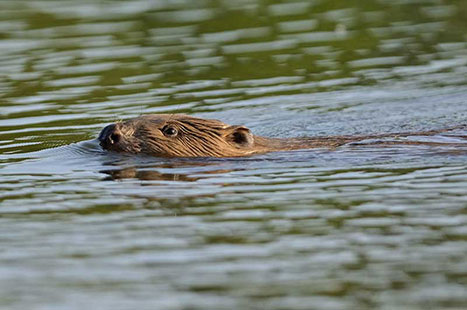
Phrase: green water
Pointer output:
(358, 227)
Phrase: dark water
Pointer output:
(358, 227)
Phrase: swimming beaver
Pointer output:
(179, 135)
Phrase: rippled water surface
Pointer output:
(357, 227)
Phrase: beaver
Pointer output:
(180, 135)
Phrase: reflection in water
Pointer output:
(145, 175)
(147, 172)
(358, 227)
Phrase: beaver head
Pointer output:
(177, 135)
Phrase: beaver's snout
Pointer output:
(110, 135)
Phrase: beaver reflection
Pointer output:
(152, 175)
(178, 135)
(147, 175)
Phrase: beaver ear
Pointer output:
(239, 135)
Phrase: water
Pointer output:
(358, 227)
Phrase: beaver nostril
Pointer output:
(114, 138)
(104, 134)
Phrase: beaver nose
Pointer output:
(109, 136)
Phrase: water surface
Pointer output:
(358, 227)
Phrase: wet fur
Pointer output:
(197, 137)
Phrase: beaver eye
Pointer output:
(169, 131)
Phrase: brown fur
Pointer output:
(179, 135)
